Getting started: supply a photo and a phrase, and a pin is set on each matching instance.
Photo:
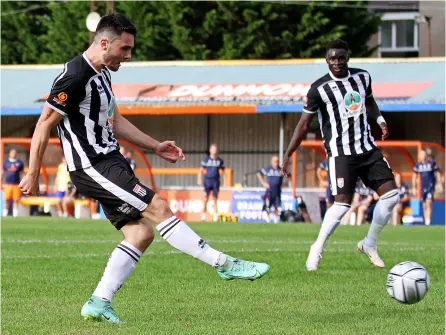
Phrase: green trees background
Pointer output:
(54, 32)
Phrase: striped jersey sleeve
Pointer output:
(65, 92)
(368, 91)
(313, 101)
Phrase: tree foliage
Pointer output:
(194, 30)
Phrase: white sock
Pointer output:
(427, 222)
(332, 219)
(381, 215)
(180, 236)
(203, 217)
(121, 264)
(15, 212)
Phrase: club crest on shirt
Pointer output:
(353, 104)
(340, 182)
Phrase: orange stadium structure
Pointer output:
(401, 146)
(147, 170)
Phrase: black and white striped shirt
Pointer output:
(84, 97)
(340, 104)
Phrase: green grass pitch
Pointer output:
(51, 266)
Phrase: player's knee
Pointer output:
(390, 198)
(386, 187)
(343, 199)
(147, 235)
(160, 208)
(143, 235)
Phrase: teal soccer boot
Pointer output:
(97, 309)
(235, 268)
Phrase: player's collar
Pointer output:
(336, 78)
(88, 61)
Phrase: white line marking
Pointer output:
(176, 252)
(427, 244)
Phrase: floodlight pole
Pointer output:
(281, 137)
(429, 41)
(110, 6)
(92, 9)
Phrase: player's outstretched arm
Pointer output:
(124, 129)
(299, 134)
(47, 121)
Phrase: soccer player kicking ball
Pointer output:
(82, 105)
(343, 99)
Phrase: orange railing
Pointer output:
(45, 171)
(399, 145)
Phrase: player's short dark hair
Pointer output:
(117, 24)
(337, 44)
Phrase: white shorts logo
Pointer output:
(139, 190)
(124, 208)
(340, 182)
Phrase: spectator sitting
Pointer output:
(404, 203)
(61, 182)
(69, 198)
(299, 212)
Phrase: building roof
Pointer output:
(416, 84)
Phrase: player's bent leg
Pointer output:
(389, 198)
(331, 220)
(428, 212)
(266, 209)
(362, 210)
(138, 235)
(396, 214)
(205, 206)
(215, 215)
(179, 235)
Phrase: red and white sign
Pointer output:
(292, 91)
(189, 204)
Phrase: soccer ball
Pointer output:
(408, 282)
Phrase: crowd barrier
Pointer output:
(188, 203)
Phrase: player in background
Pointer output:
(403, 191)
(69, 198)
(350, 147)
(429, 174)
(60, 184)
(324, 182)
(213, 165)
(130, 160)
(12, 168)
(272, 179)
(99, 171)
(362, 199)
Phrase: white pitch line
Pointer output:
(427, 244)
(148, 253)
(175, 252)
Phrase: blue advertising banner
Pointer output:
(248, 205)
